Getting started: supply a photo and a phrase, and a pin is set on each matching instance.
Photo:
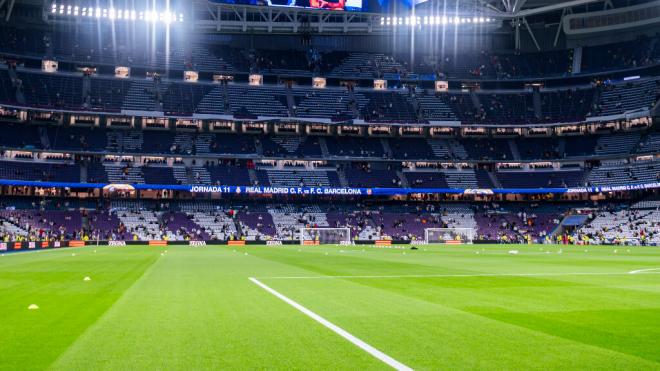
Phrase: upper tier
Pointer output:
(109, 94)
(113, 47)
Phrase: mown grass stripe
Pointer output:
(338, 330)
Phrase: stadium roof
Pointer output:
(526, 8)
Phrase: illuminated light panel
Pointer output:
(166, 17)
(432, 21)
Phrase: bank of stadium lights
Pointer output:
(432, 21)
(112, 13)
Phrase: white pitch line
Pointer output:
(338, 330)
(465, 275)
(34, 251)
(646, 271)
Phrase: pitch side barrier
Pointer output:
(326, 191)
(18, 246)
(25, 246)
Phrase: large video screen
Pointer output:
(370, 6)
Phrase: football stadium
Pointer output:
(330, 184)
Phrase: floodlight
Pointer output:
(112, 13)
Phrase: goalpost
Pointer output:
(323, 236)
(453, 236)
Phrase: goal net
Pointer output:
(453, 236)
(325, 236)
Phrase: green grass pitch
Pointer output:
(439, 307)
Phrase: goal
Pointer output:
(454, 236)
(323, 236)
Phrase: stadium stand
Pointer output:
(39, 171)
(624, 227)
(260, 101)
(333, 103)
(622, 174)
(291, 146)
(629, 54)
(540, 179)
(622, 97)
(650, 144)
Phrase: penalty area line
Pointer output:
(338, 330)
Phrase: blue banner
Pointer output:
(324, 191)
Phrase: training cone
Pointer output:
(87, 279)
(33, 307)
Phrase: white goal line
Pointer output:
(640, 271)
(338, 330)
